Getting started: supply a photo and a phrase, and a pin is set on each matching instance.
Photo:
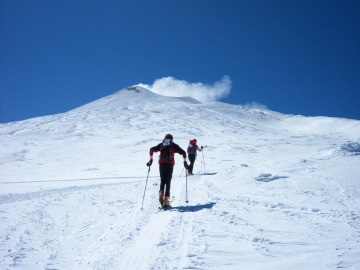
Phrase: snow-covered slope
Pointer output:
(285, 194)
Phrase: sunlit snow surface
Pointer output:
(286, 193)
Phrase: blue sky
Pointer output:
(295, 57)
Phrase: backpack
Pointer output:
(192, 146)
(165, 153)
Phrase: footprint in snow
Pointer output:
(92, 169)
(351, 147)
(267, 177)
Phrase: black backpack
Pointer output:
(165, 153)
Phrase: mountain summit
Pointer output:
(134, 96)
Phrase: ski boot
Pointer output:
(166, 201)
(161, 198)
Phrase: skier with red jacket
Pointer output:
(167, 149)
(192, 148)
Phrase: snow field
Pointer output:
(285, 194)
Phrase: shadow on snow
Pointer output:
(192, 208)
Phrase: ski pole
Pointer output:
(145, 188)
(183, 170)
(201, 163)
(186, 189)
(203, 159)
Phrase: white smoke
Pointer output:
(170, 86)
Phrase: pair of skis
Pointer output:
(161, 207)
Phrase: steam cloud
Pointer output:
(170, 86)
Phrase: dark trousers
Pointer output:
(166, 171)
(192, 158)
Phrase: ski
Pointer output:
(205, 173)
(208, 173)
(164, 208)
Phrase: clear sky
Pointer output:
(295, 57)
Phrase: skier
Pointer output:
(192, 148)
(167, 150)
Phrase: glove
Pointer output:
(186, 165)
(202, 147)
(149, 163)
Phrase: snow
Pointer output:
(270, 191)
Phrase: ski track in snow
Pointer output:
(278, 192)
(185, 236)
